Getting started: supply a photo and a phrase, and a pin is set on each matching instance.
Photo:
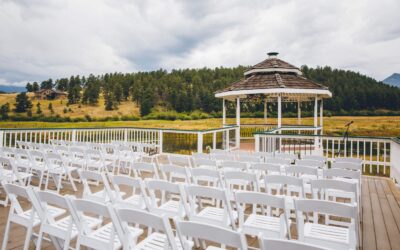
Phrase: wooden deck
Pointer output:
(380, 222)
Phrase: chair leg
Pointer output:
(72, 181)
(28, 237)
(5, 239)
(39, 240)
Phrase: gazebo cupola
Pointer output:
(275, 81)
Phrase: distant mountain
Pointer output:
(393, 80)
(11, 89)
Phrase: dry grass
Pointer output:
(363, 126)
(127, 108)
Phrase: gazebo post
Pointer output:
(298, 113)
(279, 111)
(321, 114)
(238, 122)
(265, 111)
(316, 112)
(223, 112)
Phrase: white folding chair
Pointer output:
(65, 227)
(173, 198)
(188, 230)
(264, 169)
(206, 176)
(163, 238)
(311, 163)
(233, 165)
(305, 173)
(332, 237)
(221, 216)
(57, 167)
(180, 160)
(103, 237)
(250, 159)
(315, 158)
(283, 162)
(205, 163)
(261, 218)
(126, 159)
(286, 186)
(110, 156)
(223, 157)
(137, 198)
(357, 161)
(27, 218)
(273, 244)
(175, 173)
(347, 165)
(145, 170)
(239, 180)
(102, 195)
(38, 165)
(95, 161)
(290, 156)
(200, 156)
(77, 158)
(9, 172)
(344, 175)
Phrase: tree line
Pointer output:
(188, 90)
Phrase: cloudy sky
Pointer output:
(40, 39)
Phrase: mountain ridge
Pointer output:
(393, 80)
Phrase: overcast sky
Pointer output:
(40, 39)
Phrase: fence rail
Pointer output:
(167, 140)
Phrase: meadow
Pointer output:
(385, 126)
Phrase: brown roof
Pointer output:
(273, 63)
(273, 81)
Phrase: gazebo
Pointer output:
(275, 80)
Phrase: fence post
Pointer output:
(215, 140)
(73, 137)
(160, 141)
(257, 143)
(1, 138)
(199, 142)
(227, 139)
(126, 135)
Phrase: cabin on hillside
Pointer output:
(50, 94)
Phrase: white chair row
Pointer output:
(65, 218)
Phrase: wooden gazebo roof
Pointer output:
(274, 76)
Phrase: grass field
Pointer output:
(363, 126)
(127, 108)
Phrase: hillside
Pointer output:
(393, 80)
(179, 94)
(126, 108)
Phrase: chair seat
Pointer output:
(64, 224)
(172, 208)
(215, 214)
(268, 224)
(318, 234)
(103, 234)
(135, 200)
(156, 241)
(54, 212)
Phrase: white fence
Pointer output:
(194, 140)
(381, 156)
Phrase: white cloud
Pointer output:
(56, 38)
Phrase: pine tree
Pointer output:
(48, 84)
(38, 108)
(51, 108)
(147, 102)
(4, 109)
(22, 103)
(35, 87)
(29, 87)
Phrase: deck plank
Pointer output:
(390, 223)
(367, 224)
(382, 239)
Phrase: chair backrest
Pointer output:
(342, 173)
(8, 164)
(223, 157)
(54, 161)
(41, 201)
(37, 157)
(8, 152)
(300, 171)
(219, 151)
(171, 172)
(282, 180)
(200, 155)
(314, 157)
(198, 193)
(205, 175)
(349, 160)
(266, 168)
(347, 165)
(98, 177)
(250, 159)
(234, 178)
(280, 161)
(233, 165)
(310, 163)
(179, 160)
(135, 184)
(125, 216)
(14, 192)
(141, 169)
(275, 244)
(199, 230)
(290, 156)
(323, 185)
(208, 163)
(263, 154)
